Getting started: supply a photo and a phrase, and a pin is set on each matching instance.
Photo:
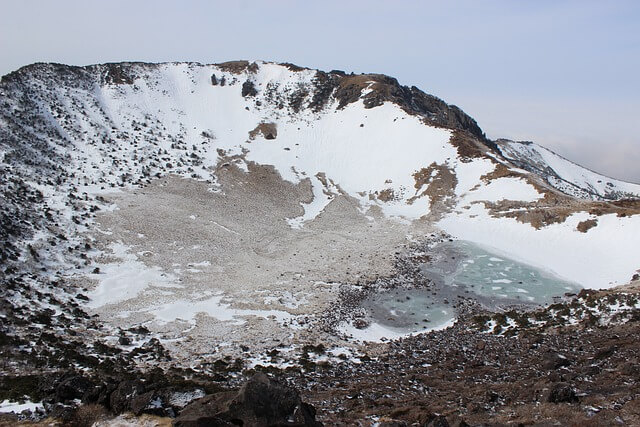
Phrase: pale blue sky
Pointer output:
(561, 73)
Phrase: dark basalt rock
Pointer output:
(555, 361)
(260, 402)
(120, 399)
(73, 387)
(249, 89)
(437, 421)
(117, 74)
(561, 393)
(150, 402)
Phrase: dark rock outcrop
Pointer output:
(249, 89)
(348, 89)
(260, 402)
(120, 399)
(73, 387)
(562, 393)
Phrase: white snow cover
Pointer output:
(376, 332)
(504, 189)
(605, 256)
(570, 173)
(214, 307)
(383, 153)
(126, 278)
(15, 407)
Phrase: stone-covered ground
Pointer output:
(577, 366)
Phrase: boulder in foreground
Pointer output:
(260, 402)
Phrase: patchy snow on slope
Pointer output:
(571, 178)
(213, 306)
(361, 150)
(7, 406)
(356, 150)
(173, 120)
(504, 189)
(382, 154)
(126, 278)
(376, 332)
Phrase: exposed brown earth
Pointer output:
(237, 67)
(584, 226)
(267, 130)
(468, 145)
(437, 182)
(554, 206)
(386, 195)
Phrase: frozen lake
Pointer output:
(463, 269)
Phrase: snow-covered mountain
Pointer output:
(219, 217)
(565, 175)
(69, 134)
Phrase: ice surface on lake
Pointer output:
(463, 269)
(516, 280)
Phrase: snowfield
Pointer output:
(364, 151)
(604, 257)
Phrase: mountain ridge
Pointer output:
(56, 118)
(347, 87)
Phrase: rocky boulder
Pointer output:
(72, 387)
(260, 402)
(562, 393)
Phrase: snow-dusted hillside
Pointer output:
(565, 175)
(71, 134)
(205, 221)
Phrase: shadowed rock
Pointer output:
(260, 402)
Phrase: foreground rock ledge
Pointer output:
(260, 402)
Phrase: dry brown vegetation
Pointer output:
(468, 146)
(237, 67)
(386, 195)
(350, 88)
(267, 130)
(501, 171)
(293, 67)
(440, 182)
(555, 207)
(584, 226)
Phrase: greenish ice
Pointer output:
(460, 269)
